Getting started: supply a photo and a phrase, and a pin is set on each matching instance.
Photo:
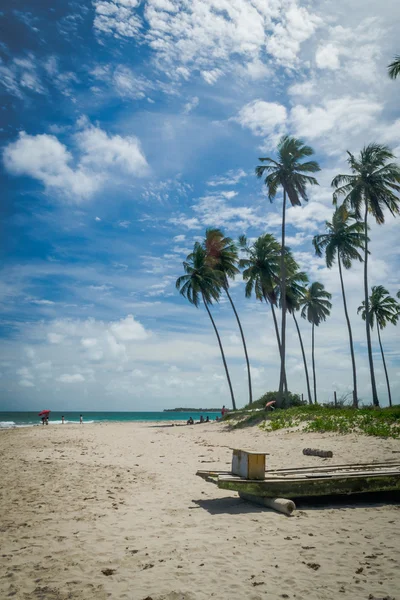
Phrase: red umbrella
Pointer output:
(270, 403)
(43, 413)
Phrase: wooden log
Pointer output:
(316, 452)
(282, 505)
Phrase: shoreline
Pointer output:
(76, 501)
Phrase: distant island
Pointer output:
(205, 410)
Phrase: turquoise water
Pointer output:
(23, 419)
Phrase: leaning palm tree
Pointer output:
(296, 289)
(372, 185)
(394, 67)
(290, 174)
(200, 282)
(343, 239)
(261, 273)
(384, 309)
(316, 308)
(222, 256)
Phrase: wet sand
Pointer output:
(115, 511)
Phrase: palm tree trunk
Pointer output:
(283, 302)
(304, 360)
(244, 343)
(222, 353)
(353, 360)
(278, 339)
(384, 365)
(367, 319)
(313, 364)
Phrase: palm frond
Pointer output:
(394, 67)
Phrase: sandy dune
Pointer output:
(80, 502)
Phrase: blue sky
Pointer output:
(127, 128)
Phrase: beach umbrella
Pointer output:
(270, 403)
(43, 413)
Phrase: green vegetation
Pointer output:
(394, 67)
(194, 410)
(383, 422)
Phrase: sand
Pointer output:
(115, 511)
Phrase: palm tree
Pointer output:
(372, 184)
(200, 282)
(316, 307)
(222, 256)
(296, 289)
(262, 272)
(343, 239)
(384, 309)
(394, 67)
(289, 173)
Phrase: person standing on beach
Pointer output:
(224, 410)
(62, 419)
(80, 419)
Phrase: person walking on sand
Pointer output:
(224, 410)
(80, 419)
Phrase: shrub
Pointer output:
(289, 400)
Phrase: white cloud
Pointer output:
(179, 238)
(55, 338)
(343, 117)
(46, 159)
(212, 36)
(262, 118)
(327, 57)
(101, 150)
(21, 75)
(128, 329)
(124, 224)
(306, 89)
(42, 302)
(89, 342)
(74, 378)
(124, 81)
(191, 105)
(26, 383)
(296, 27)
(117, 18)
(214, 210)
(354, 50)
(211, 76)
(25, 373)
(229, 178)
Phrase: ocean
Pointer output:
(27, 419)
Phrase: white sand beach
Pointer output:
(78, 500)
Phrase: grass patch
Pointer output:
(383, 422)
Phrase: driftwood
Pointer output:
(279, 504)
(321, 453)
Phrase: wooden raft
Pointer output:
(306, 481)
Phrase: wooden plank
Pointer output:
(249, 451)
(312, 487)
(302, 481)
(330, 467)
